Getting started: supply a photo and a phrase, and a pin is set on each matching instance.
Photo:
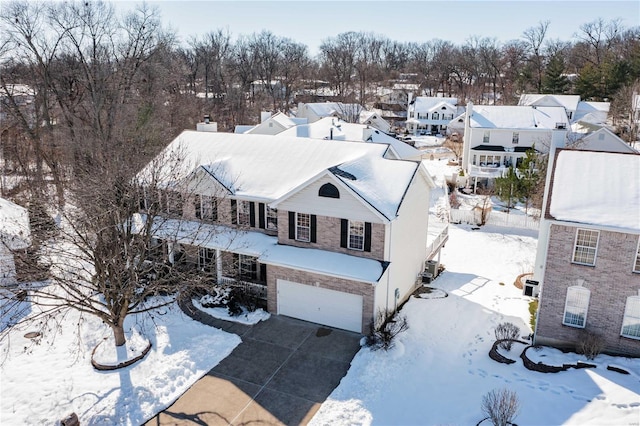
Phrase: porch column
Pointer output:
(219, 266)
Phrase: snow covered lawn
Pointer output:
(440, 369)
(43, 383)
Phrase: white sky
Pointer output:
(310, 22)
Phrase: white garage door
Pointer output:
(320, 305)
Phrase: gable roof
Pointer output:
(569, 102)
(604, 140)
(596, 188)
(517, 117)
(592, 112)
(329, 109)
(428, 103)
(264, 167)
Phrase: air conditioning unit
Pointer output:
(431, 266)
(531, 288)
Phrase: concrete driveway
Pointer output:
(281, 373)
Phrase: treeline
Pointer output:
(101, 80)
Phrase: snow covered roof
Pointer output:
(569, 102)
(428, 103)
(328, 109)
(14, 225)
(267, 249)
(336, 129)
(604, 140)
(517, 117)
(264, 167)
(596, 188)
(592, 112)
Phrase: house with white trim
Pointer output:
(14, 235)
(603, 140)
(430, 114)
(325, 231)
(588, 259)
(498, 136)
(315, 111)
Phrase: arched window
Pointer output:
(328, 190)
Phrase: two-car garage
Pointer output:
(320, 305)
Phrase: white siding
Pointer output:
(408, 242)
(345, 207)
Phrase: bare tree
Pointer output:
(535, 37)
(501, 405)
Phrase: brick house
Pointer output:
(588, 258)
(325, 231)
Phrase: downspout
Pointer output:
(386, 307)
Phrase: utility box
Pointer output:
(431, 266)
(531, 288)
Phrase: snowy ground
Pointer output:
(440, 368)
(45, 381)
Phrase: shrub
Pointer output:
(591, 344)
(501, 406)
(533, 308)
(507, 330)
(238, 298)
(383, 336)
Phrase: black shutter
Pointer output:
(344, 232)
(313, 228)
(263, 272)
(254, 270)
(197, 205)
(367, 236)
(234, 212)
(261, 215)
(252, 214)
(292, 225)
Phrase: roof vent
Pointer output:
(207, 118)
(336, 171)
(561, 125)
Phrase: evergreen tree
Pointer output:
(508, 187)
(554, 80)
(529, 177)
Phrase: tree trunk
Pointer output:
(118, 333)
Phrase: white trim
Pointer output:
(298, 238)
(636, 260)
(585, 247)
(364, 235)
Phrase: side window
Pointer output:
(631, 319)
(585, 247)
(328, 190)
(303, 227)
(576, 306)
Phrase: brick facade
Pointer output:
(328, 237)
(610, 282)
(366, 290)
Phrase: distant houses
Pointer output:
(14, 236)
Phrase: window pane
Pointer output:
(303, 227)
(585, 247)
(244, 208)
(356, 235)
(576, 305)
(272, 218)
(631, 320)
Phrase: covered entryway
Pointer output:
(320, 305)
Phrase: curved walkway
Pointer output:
(281, 373)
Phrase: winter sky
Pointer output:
(310, 22)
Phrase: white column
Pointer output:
(219, 266)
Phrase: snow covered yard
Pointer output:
(439, 369)
(44, 382)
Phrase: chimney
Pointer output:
(207, 125)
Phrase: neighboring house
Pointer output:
(271, 124)
(635, 113)
(14, 235)
(324, 231)
(375, 120)
(497, 137)
(588, 258)
(584, 116)
(568, 102)
(603, 140)
(316, 111)
(428, 114)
